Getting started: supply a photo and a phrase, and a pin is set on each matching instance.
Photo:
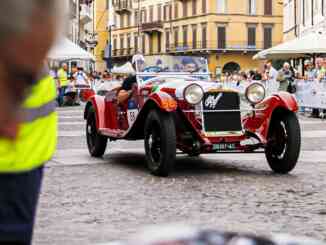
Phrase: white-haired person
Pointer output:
(28, 120)
(285, 77)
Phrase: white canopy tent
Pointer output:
(313, 43)
(65, 49)
(124, 69)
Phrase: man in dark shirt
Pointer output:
(127, 85)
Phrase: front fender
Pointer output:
(164, 101)
(98, 103)
(281, 102)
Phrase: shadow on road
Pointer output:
(195, 166)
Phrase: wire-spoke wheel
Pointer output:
(160, 143)
(284, 142)
(96, 142)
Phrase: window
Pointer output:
(176, 10)
(184, 8)
(143, 16)
(159, 42)
(128, 44)
(267, 37)
(170, 11)
(194, 7)
(203, 6)
(307, 11)
(136, 42)
(150, 37)
(268, 6)
(128, 20)
(221, 6)
(121, 21)
(143, 44)
(176, 37)
(136, 18)
(159, 12)
(194, 36)
(251, 36)
(151, 13)
(252, 7)
(165, 14)
(303, 12)
(114, 46)
(204, 35)
(167, 40)
(221, 37)
(122, 41)
(185, 36)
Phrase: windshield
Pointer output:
(195, 68)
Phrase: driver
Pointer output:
(125, 93)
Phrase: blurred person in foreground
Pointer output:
(27, 112)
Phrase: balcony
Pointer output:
(85, 14)
(230, 46)
(152, 27)
(123, 53)
(122, 6)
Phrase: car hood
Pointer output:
(179, 85)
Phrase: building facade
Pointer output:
(303, 16)
(101, 30)
(227, 32)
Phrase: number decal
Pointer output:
(132, 115)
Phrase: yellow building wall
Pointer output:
(101, 20)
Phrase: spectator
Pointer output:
(310, 73)
(270, 73)
(319, 69)
(285, 77)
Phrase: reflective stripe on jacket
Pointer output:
(37, 134)
(63, 77)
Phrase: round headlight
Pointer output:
(193, 94)
(255, 93)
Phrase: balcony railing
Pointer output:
(241, 46)
(152, 27)
(122, 6)
(124, 52)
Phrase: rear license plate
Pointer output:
(224, 146)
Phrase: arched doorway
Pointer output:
(231, 67)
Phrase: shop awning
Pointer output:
(313, 43)
(64, 49)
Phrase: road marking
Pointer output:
(71, 117)
(304, 122)
(304, 133)
(71, 123)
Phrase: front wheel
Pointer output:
(96, 142)
(284, 141)
(160, 142)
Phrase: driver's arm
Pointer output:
(126, 91)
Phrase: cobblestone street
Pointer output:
(87, 201)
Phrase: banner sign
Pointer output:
(309, 93)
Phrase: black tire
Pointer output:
(160, 143)
(284, 142)
(96, 142)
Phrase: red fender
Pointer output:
(98, 103)
(259, 123)
(164, 101)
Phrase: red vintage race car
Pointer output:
(175, 106)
